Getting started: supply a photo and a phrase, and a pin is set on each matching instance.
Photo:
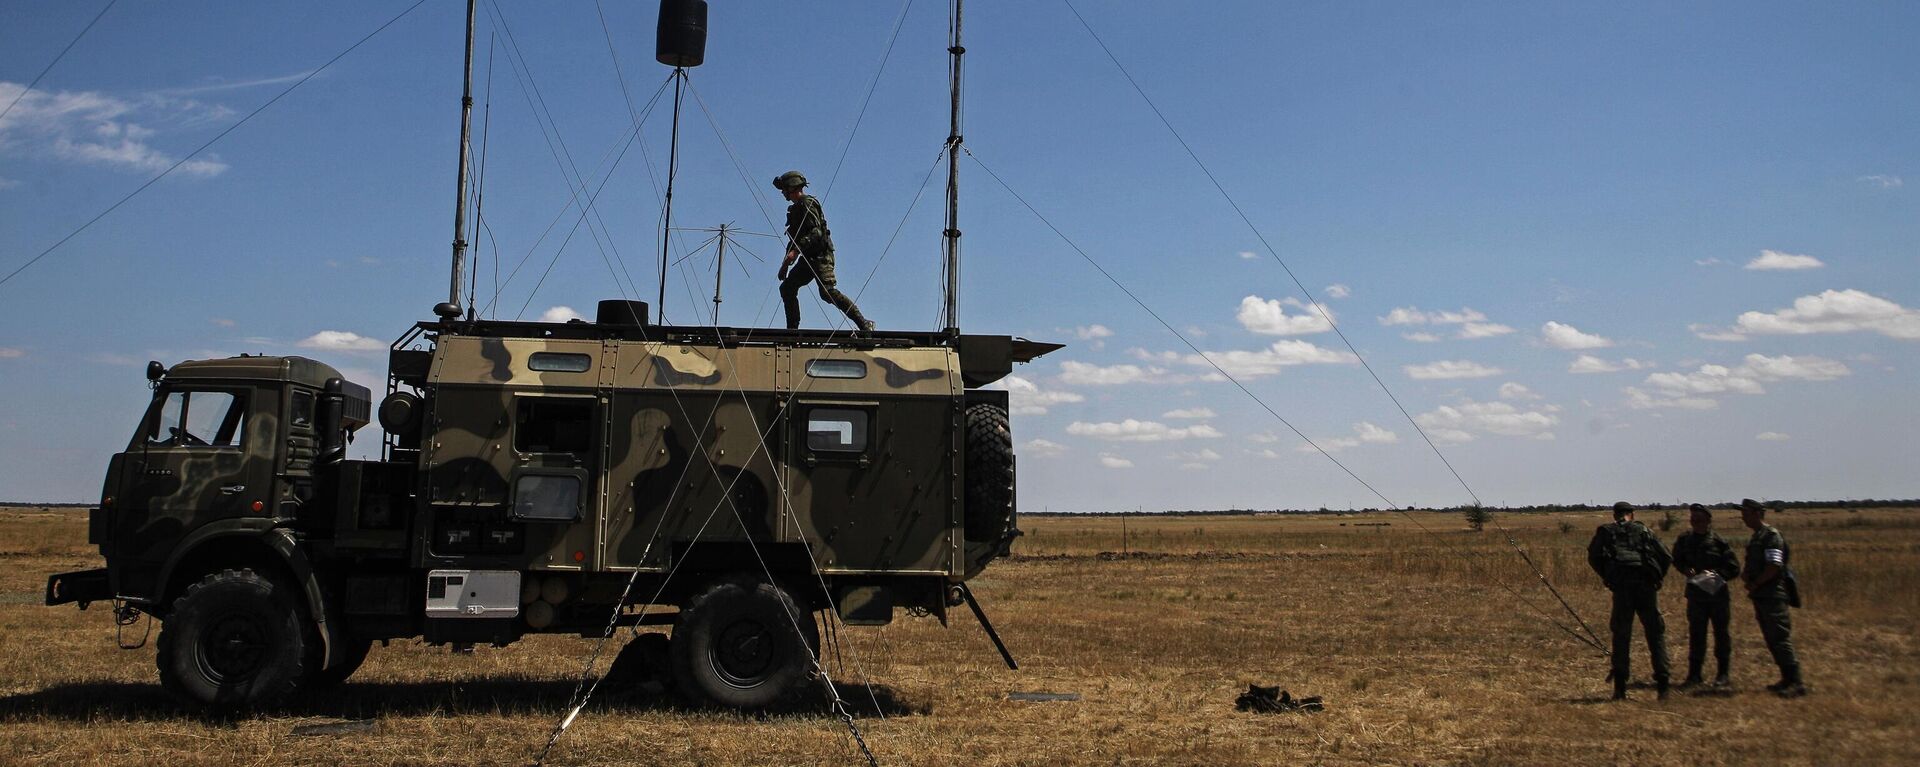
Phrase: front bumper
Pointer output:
(84, 586)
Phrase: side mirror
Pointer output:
(155, 371)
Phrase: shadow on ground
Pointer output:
(93, 701)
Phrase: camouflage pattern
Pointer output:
(807, 233)
(1771, 599)
(1636, 593)
(701, 440)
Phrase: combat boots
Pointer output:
(1660, 688)
(1619, 687)
(1693, 680)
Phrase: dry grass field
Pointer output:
(1421, 656)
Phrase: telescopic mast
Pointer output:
(451, 309)
(952, 232)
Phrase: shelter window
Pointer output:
(548, 497)
(837, 429)
(302, 413)
(199, 419)
(836, 369)
(554, 425)
(558, 362)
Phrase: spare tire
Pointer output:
(988, 467)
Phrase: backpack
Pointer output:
(1627, 558)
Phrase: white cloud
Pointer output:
(1027, 398)
(1041, 448)
(1448, 369)
(1883, 181)
(1639, 399)
(11, 353)
(1771, 436)
(1270, 361)
(1561, 336)
(1086, 374)
(340, 341)
(560, 314)
(1464, 422)
(1410, 315)
(1511, 390)
(1474, 330)
(1268, 317)
(1112, 461)
(1195, 413)
(1786, 367)
(94, 128)
(1248, 255)
(1708, 261)
(1710, 333)
(1263, 438)
(1131, 430)
(1834, 311)
(1091, 332)
(1338, 290)
(1720, 379)
(1365, 433)
(1587, 363)
(1196, 331)
(1771, 260)
(1194, 456)
(1421, 337)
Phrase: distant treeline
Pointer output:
(43, 505)
(1867, 503)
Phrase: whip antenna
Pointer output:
(450, 310)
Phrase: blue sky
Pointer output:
(1638, 251)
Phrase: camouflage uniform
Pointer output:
(1636, 592)
(1771, 600)
(1703, 552)
(807, 233)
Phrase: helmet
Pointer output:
(792, 179)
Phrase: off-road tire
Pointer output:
(348, 655)
(234, 640)
(736, 645)
(988, 464)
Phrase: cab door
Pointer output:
(190, 465)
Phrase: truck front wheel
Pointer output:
(233, 640)
(743, 644)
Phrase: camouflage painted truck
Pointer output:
(542, 478)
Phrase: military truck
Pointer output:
(541, 477)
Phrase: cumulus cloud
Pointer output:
(94, 128)
(340, 341)
(1773, 260)
(1271, 360)
(1091, 332)
(1449, 369)
(1194, 413)
(1465, 422)
(1338, 290)
(1087, 374)
(1131, 430)
(1588, 363)
(11, 353)
(1411, 315)
(1364, 433)
(1041, 448)
(1420, 337)
(1248, 255)
(1263, 438)
(1710, 333)
(1027, 398)
(1270, 317)
(1112, 461)
(1563, 336)
(1474, 330)
(1511, 390)
(560, 314)
(1771, 436)
(1194, 456)
(1834, 311)
(1882, 180)
(1693, 389)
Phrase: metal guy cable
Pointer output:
(56, 58)
(871, 87)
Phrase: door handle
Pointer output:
(231, 489)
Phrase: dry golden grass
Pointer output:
(1422, 658)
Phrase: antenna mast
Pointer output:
(451, 309)
(952, 233)
(680, 41)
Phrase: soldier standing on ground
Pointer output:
(1710, 566)
(1770, 584)
(809, 254)
(1632, 563)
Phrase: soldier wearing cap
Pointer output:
(1708, 562)
(809, 254)
(1631, 561)
(1770, 583)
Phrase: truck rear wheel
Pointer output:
(236, 639)
(743, 644)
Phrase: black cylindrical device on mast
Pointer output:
(681, 38)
